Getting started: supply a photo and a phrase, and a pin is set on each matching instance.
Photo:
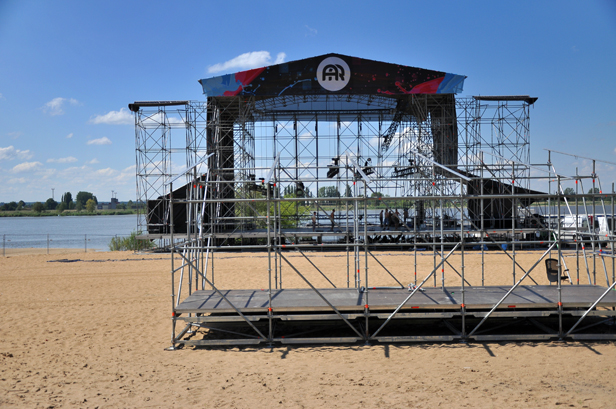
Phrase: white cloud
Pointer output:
(56, 105)
(69, 136)
(280, 58)
(311, 31)
(76, 172)
(92, 162)
(10, 153)
(100, 141)
(121, 117)
(108, 172)
(26, 166)
(247, 61)
(68, 159)
(19, 181)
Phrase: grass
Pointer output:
(130, 243)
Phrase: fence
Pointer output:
(71, 241)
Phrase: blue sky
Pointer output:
(68, 69)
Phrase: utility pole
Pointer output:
(52, 189)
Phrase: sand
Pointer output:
(92, 333)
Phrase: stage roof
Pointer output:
(333, 74)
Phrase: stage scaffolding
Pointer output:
(170, 140)
(456, 174)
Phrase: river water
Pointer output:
(95, 232)
(86, 232)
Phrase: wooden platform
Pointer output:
(351, 300)
(301, 316)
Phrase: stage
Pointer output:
(431, 315)
(267, 158)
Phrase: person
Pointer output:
(387, 219)
(331, 217)
(314, 220)
(381, 218)
(406, 214)
(395, 219)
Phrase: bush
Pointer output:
(38, 207)
(90, 206)
(130, 243)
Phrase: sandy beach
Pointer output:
(92, 333)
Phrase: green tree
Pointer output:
(328, 191)
(594, 190)
(295, 190)
(20, 205)
(90, 206)
(61, 207)
(377, 196)
(67, 198)
(38, 207)
(569, 191)
(51, 204)
(78, 206)
(83, 197)
(348, 192)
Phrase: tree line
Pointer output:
(333, 192)
(83, 200)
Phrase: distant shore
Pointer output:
(30, 213)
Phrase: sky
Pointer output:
(68, 70)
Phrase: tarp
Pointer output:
(333, 74)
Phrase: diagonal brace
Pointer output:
(317, 268)
(321, 295)
(591, 308)
(511, 290)
(417, 288)
(228, 302)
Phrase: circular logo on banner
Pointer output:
(333, 74)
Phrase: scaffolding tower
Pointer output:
(257, 185)
(170, 141)
(390, 166)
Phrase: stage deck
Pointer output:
(342, 231)
(383, 300)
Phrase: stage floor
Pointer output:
(351, 300)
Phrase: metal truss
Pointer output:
(170, 137)
(561, 317)
(445, 168)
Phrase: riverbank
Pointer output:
(46, 213)
(92, 333)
